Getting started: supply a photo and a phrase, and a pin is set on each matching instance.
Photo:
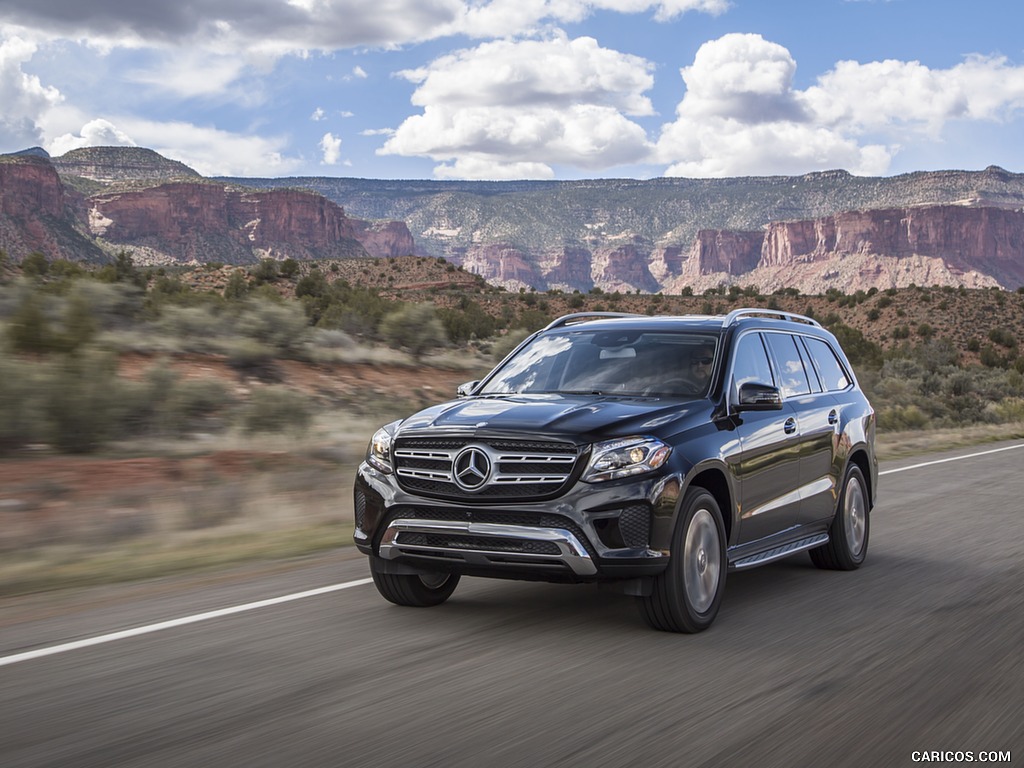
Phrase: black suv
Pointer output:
(651, 454)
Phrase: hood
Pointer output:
(580, 418)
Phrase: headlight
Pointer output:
(614, 459)
(378, 454)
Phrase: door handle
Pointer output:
(833, 417)
(790, 426)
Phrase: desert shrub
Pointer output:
(415, 327)
(1008, 410)
(199, 404)
(265, 272)
(289, 268)
(1003, 337)
(991, 358)
(28, 328)
(20, 415)
(313, 284)
(237, 287)
(468, 321)
(194, 329)
(35, 265)
(113, 306)
(280, 326)
(82, 401)
(250, 357)
(277, 409)
(902, 417)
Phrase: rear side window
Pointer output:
(830, 370)
(793, 378)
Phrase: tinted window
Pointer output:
(812, 376)
(830, 370)
(752, 361)
(793, 378)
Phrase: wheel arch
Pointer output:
(859, 457)
(714, 479)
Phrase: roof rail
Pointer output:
(579, 317)
(736, 314)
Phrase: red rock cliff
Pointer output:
(38, 213)
(210, 222)
(986, 240)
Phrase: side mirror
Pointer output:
(759, 397)
(465, 390)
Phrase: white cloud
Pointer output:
(95, 133)
(486, 169)
(359, 72)
(318, 115)
(741, 115)
(210, 151)
(330, 145)
(526, 105)
(24, 98)
(893, 94)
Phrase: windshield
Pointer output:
(627, 363)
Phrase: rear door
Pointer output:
(816, 417)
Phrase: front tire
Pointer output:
(847, 545)
(414, 590)
(687, 595)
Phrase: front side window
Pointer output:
(619, 362)
(752, 362)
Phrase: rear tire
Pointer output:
(417, 591)
(687, 595)
(847, 545)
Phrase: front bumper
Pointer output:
(593, 533)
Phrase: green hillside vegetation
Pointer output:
(930, 358)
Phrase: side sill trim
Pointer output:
(780, 552)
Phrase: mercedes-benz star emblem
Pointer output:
(472, 468)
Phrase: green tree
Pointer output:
(265, 272)
(237, 287)
(289, 268)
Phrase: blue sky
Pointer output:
(514, 89)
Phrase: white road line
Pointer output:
(954, 458)
(111, 637)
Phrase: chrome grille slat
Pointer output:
(572, 553)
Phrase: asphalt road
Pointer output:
(920, 650)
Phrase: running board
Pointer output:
(780, 552)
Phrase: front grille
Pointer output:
(516, 469)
